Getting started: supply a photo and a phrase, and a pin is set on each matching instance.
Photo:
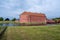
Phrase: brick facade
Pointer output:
(29, 17)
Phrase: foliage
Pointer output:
(13, 19)
(1, 18)
(7, 19)
(56, 19)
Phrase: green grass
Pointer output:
(33, 33)
(0, 28)
(8, 22)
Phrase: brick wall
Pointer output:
(23, 19)
(27, 17)
(37, 19)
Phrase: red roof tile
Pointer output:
(31, 13)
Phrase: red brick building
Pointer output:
(30, 17)
(49, 21)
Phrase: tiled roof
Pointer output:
(32, 13)
(50, 20)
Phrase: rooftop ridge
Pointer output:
(33, 12)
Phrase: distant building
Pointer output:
(30, 17)
(49, 21)
(17, 20)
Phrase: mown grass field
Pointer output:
(0, 28)
(8, 22)
(33, 33)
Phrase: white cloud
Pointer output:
(16, 7)
(35, 8)
(47, 5)
(32, 2)
(10, 4)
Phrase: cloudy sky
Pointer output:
(13, 8)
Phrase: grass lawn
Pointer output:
(0, 28)
(33, 33)
(8, 22)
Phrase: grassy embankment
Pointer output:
(7, 21)
(1, 28)
(34, 33)
(3, 33)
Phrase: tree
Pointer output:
(56, 19)
(7, 19)
(1, 18)
(13, 19)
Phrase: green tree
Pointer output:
(13, 19)
(56, 19)
(7, 19)
(1, 18)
